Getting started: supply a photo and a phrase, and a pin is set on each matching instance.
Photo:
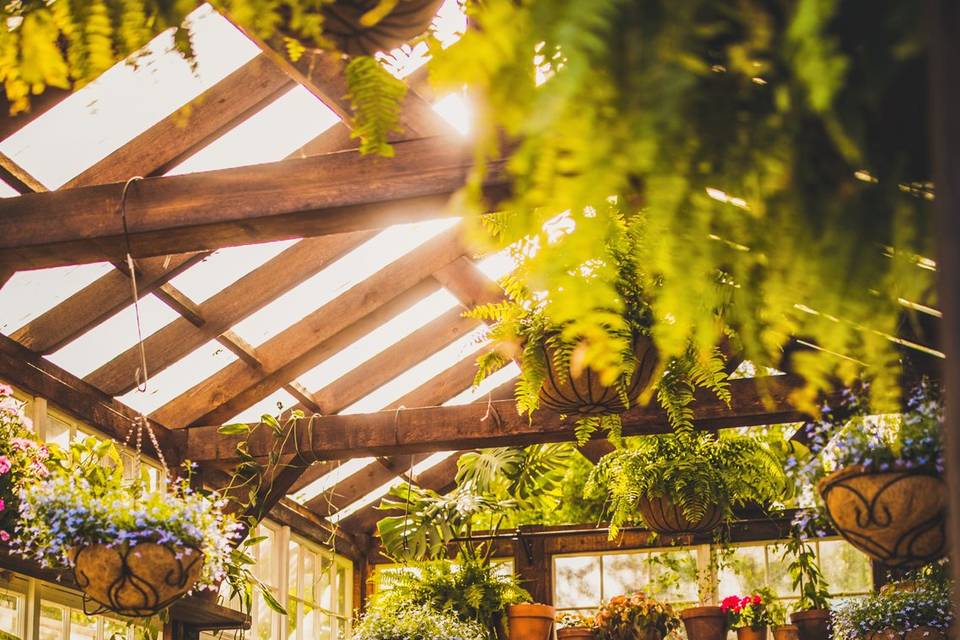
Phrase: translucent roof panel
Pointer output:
(6, 191)
(127, 100)
(491, 382)
(343, 471)
(225, 266)
(180, 377)
(113, 336)
(456, 110)
(273, 405)
(29, 294)
(356, 266)
(271, 134)
(384, 336)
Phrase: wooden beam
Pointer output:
(322, 195)
(244, 92)
(756, 401)
(308, 342)
(17, 177)
(226, 308)
(944, 53)
(36, 375)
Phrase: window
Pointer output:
(584, 581)
(61, 622)
(319, 593)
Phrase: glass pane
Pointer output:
(341, 628)
(744, 572)
(310, 622)
(51, 621)
(82, 627)
(309, 575)
(10, 613)
(292, 618)
(293, 568)
(673, 575)
(324, 587)
(263, 569)
(263, 622)
(114, 629)
(342, 587)
(324, 629)
(778, 572)
(623, 573)
(578, 582)
(846, 569)
(58, 431)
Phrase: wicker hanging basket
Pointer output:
(664, 517)
(895, 517)
(135, 580)
(585, 395)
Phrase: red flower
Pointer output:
(756, 599)
(731, 603)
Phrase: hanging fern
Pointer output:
(375, 97)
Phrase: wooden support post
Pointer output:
(532, 566)
(944, 34)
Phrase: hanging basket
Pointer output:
(585, 395)
(663, 516)
(135, 580)
(895, 517)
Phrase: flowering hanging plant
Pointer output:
(630, 616)
(747, 612)
(903, 607)
(573, 620)
(87, 500)
(22, 459)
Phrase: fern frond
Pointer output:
(375, 98)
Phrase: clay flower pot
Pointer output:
(530, 621)
(705, 623)
(895, 517)
(136, 580)
(584, 395)
(662, 516)
(815, 624)
(752, 633)
(786, 632)
(575, 633)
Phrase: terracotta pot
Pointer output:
(530, 621)
(137, 580)
(575, 633)
(585, 395)
(752, 633)
(815, 624)
(704, 623)
(895, 517)
(409, 19)
(786, 632)
(662, 516)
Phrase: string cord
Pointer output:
(141, 375)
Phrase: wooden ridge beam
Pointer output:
(756, 401)
(301, 197)
(314, 338)
(225, 309)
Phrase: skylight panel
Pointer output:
(113, 336)
(417, 375)
(127, 100)
(491, 382)
(180, 377)
(455, 109)
(497, 265)
(29, 294)
(224, 267)
(343, 471)
(6, 191)
(338, 277)
(271, 134)
(279, 400)
(383, 337)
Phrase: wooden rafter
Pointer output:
(496, 424)
(321, 195)
(317, 336)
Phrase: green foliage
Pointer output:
(774, 155)
(806, 575)
(375, 98)
(422, 623)
(495, 488)
(694, 470)
(473, 590)
(901, 606)
(635, 615)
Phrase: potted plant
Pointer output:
(914, 609)
(550, 346)
(886, 494)
(781, 630)
(635, 616)
(686, 482)
(812, 613)
(572, 625)
(705, 622)
(530, 621)
(415, 623)
(132, 550)
(749, 615)
(22, 459)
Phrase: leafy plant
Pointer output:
(747, 612)
(472, 589)
(574, 620)
(805, 572)
(734, 133)
(629, 616)
(695, 471)
(899, 606)
(22, 459)
(599, 333)
(415, 623)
